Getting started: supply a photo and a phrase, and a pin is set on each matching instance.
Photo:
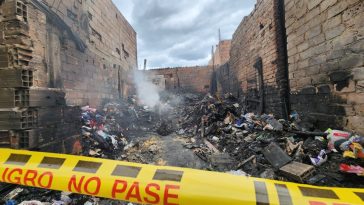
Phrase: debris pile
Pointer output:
(209, 133)
(27, 196)
(118, 127)
(223, 134)
(101, 134)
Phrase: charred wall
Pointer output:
(91, 75)
(54, 57)
(326, 59)
(185, 79)
(257, 71)
(221, 54)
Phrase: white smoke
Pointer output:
(148, 93)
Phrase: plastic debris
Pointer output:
(238, 173)
(336, 138)
(352, 169)
(356, 151)
(32, 203)
(11, 202)
(294, 116)
(320, 159)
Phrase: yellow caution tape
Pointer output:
(148, 184)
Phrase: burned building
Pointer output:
(182, 79)
(304, 56)
(56, 56)
(292, 59)
(325, 61)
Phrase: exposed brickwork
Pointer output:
(326, 59)
(191, 79)
(110, 54)
(256, 37)
(221, 54)
(57, 56)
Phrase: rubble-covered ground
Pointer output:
(215, 134)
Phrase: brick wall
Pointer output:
(189, 79)
(326, 59)
(257, 38)
(221, 54)
(54, 57)
(111, 51)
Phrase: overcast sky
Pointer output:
(181, 32)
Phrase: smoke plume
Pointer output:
(147, 92)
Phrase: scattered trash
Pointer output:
(268, 174)
(217, 132)
(10, 202)
(31, 203)
(356, 151)
(294, 116)
(297, 171)
(352, 169)
(336, 138)
(316, 179)
(320, 159)
(276, 156)
(238, 173)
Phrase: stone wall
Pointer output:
(326, 59)
(257, 47)
(185, 79)
(54, 57)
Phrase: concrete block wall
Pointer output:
(257, 37)
(104, 66)
(55, 58)
(188, 79)
(26, 111)
(326, 61)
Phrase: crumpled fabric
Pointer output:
(354, 139)
(356, 151)
(336, 138)
(352, 169)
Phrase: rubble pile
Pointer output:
(118, 127)
(101, 135)
(34, 196)
(209, 133)
(121, 131)
(222, 133)
(146, 151)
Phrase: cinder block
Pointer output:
(10, 98)
(15, 9)
(16, 78)
(15, 56)
(14, 119)
(25, 139)
(298, 171)
(358, 73)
